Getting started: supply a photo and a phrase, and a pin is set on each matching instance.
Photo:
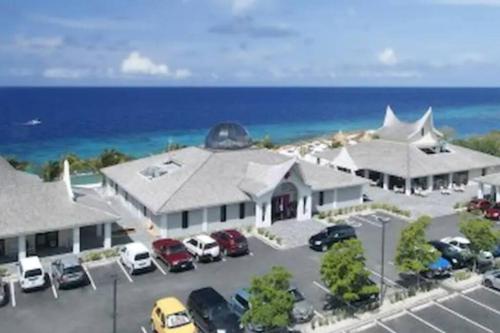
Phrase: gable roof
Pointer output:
(492, 179)
(9, 176)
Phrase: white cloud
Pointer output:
(402, 74)
(182, 73)
(388, 57)
(135, 63)
(39, 42)
(241, 6)
(469, 2)
(65, 73)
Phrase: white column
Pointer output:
(430, 182)
(385, 181)
(300, 207)
(76, 240)
(335, 195)
(366, 173)
(267, 219)
(497, 196)
(107, 235)
(353, 172)
(408, 186)
(21, 247)
(308, 212)
(450, 180)
(164, 226)
(98, 230)
(204, 225)
(480, 191)
(258, 214)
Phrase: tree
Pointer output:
(489, 143)
(111, 157)
(271, 301)
(344, 273)
(51, 171)
(77, 164)
(481, 235)
(413, 253)
(174, 146)
(18, 164)
(266, 142)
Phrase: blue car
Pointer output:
(496, 251)
(441, 267)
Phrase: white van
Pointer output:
(31, 273)
(135, 257)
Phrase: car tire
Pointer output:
(324, 248)
(488, 283)
(152, 326)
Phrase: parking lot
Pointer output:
(52, 310)
(474, 310)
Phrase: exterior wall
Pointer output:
(349, 196)
(233, 217)
(329, 202)
(11, 246)
(474, 173)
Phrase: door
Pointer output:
(157, 320)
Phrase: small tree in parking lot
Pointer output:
(271, 301)
(480, 233)
(414, 254)
(344, 273)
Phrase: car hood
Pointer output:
(303, 308)
(181, 256)
(227, 323)
(318, 237)
(441, 263)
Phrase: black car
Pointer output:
(4, 293)
(211, 313)
(450, 253)
(68, 272)
(323, 240)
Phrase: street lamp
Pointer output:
(115, 282)
(383, 220)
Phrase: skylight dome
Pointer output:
(228, 136)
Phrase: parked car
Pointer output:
(240, 303)
(323, 240)
(68, 272)
(211, 312)
(484, 259)
(478, 204)
(169, 315)
(203, 248)
(302, 311)
(173, 253)
(31, 274)
(440, 268)
(491, 279)
(493, 213)
(496, 251)
(135, 257)
(231, 242)
(4, 293)
(458, 259)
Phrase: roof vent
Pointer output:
(155, 171)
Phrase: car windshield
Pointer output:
(142, 256)
(240, 239)
(73, 269)
(220, 310)
(210, 245)
(297, 296)
(175, 249)
(33, 272)
(177, 319)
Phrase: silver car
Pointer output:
(4, 293)
(491, 279)
(68, 272)
(302, 311)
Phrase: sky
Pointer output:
(250, 43)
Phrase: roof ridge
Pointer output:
(195, 171)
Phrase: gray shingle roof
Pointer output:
(391, 157)
(492, 179)
(212, 178)
(12, 177)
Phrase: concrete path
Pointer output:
(295, 233)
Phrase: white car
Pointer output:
(31, 273)
(491, 279)
(135, 257)
(462, 244)
(203, 247)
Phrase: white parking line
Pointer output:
(158, 266)
(12, 294)
(364, 219)
(462, 317)
(384, 326)
(470, 299)
(53, 287)
(386, 279)
(491, 290)
(317, 313)
(322, 287)
(251, 254)
(129, 278)
(87, 271)
(425, 322)
(143, 330)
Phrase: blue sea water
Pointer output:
(141, 121)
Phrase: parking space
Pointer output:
(408, 322)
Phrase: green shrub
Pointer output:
(92, 256)
(461, 275)
(3, 271)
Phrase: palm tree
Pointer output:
(51, 170)
(111, 157)
(18, 164)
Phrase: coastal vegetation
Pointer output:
(265, 142)
(488, 143)
(18, 164)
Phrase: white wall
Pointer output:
(328, 201)
(349, 196)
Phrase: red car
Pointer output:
(173, 253)
(493, 213)
(231, 242)
(478, 204)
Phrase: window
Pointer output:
(243, 302)
(144, 211)
(318, 161)
(321, 198)
(304, 200)
(116, 188)
(223, 213)
(242, 210)
(185, 219)
(422, 132)
(126, 196)
(263, 212)
(2, 248)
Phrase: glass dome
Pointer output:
(228, 136)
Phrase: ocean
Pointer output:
(142, 121)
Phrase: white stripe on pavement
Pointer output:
(322, 287)
(129, 278)
(143, 330)
(158, 266)
(53, 287)
(425, 322)
(491, 290)
(386, 279)
(317, 313)
(463, 317)
(384, 326)
(469, 290)
(12, 294)
(87, 271)
(364, 219)
(470, 299)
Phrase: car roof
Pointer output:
(233, 233)
(340, 227)
(70, 260)
(204, 238)
(170, 305)
(166, 242)
(207, 297)
(136, 247)
(458, 239)
(29, 263)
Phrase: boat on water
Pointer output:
(33, 122)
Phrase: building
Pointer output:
(491, 184)
(227, 184)
(39, 218)
(410, 157)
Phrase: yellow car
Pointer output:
(169, 315)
